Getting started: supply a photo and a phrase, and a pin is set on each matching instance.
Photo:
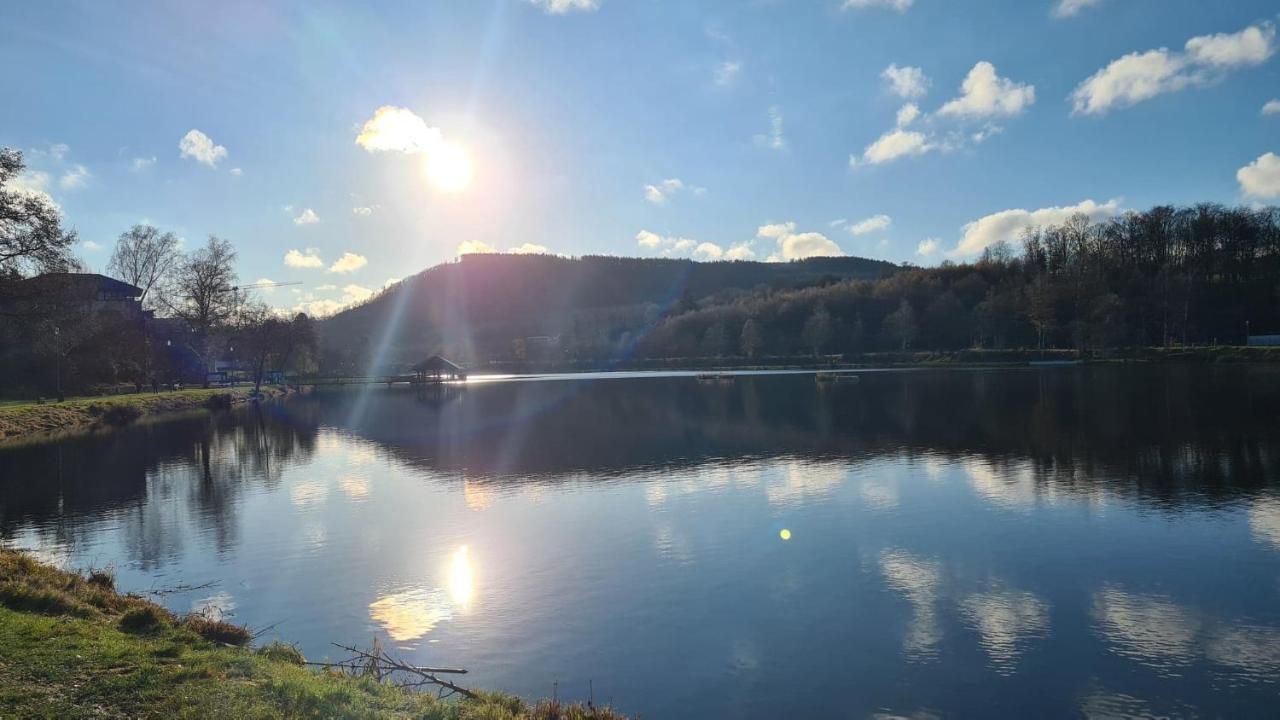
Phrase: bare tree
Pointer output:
(817, 329)
(31, 235)
(751, 338)
(145, 257)
(205, 294)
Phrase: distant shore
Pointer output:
(35, 419)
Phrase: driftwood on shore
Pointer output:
(377, 664)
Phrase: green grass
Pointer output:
(27, 418)
(70, 647)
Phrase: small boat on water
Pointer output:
(835, 377)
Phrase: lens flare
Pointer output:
(448, 168)
(785, 534)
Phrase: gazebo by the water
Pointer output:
(438, 369)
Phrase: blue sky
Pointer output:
(633, 127)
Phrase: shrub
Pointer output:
(218, 631)
(144, 618)
(103, 578)
(120, 414)
(282, 652)
(221, 401)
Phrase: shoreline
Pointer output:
(72, 645)
(45, 421)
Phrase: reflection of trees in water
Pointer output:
(1161, 433)
(152, 478)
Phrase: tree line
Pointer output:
(1198, 275)
(58, 337)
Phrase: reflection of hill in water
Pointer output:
(1161, 432)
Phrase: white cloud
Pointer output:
(1272, 107)
(1261, 178)
(648, 239)
(33, 183)
(682, 244)
(726, 73)
(895, 144)
(351, 295)
(528, 249)
(899, 5)
(796, 246)
(58, 151)
(907, 114)
(397, 129)
(201, 148)
(308, 217)
(308, 258)
(91, 245)
(985, 94)
(362, 211)
(660, 193)
(75, 177)
(708, 251)
(349, 262)
(927, 247)
(774, 139)
(558, 7)
(142, 163)
(237, 172)
(1141, 76)
(1007, 225)
(269, 290)
(474, 247)
(871, 224)
(906, 82)
(741, 251)
(1071, 8)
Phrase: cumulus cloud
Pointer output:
(320, 307)
(1272, 107)
(894, 144)
(201, 148)
(1007, 225)
(91, 245)
(741, 251)
(308, 258)
(1141, 76)
(660, 193)
(269, 284)
(1261, 178)
(774, 139)
(307, 217)
(797, 246)
(648, 239)
(898, 5)
(906, 82)
(559, 7)
(1071, 8)
(362, 211)
(985, 94)
(726, 73)
(869, 225)
(142, 163)
(397, 129)
(708, 251)
(75, 177)
(528, 249)
(927, 247)
(349, 262)
(907, 114)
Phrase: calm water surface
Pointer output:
(1060, 543)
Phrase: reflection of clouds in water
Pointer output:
(314, 535)
(1006, 620)
(1116, 706)
(879, 495)
(305, 493)
(1012, 488)
(659, 490)
(1253, 649)
(355, 487)
(218, 605)
(1147, 628)
(410, 614)
(476, 496)
(919, 580)
(917, 715)
(672, 545)
(800, 482)
(1264, 520)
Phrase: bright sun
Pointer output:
(448, 168)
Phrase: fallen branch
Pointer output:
(376, 663)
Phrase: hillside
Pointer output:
(482, 307)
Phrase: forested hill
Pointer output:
(474, 309)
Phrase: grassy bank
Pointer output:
(25, 419)
(71, 646)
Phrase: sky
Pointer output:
(345, 145)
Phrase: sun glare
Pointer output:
(448, 168)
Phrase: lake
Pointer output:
(1082, 541)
